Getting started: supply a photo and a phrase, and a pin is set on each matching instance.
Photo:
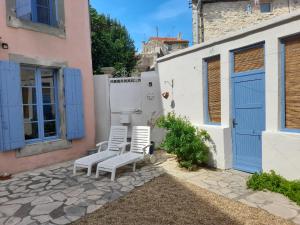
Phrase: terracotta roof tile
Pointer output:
(167, 39)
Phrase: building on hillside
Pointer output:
(46, 83)
(157, 47)
(212, 19)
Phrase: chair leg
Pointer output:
(74, 170)
(89, 171)
(97, 173)
(113, 175)
(134, 167)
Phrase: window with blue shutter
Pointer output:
(38, 11)
(265, 7)
(40, 104)
(24, 9)
(74, 103)
(11, 113)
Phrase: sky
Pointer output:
(141, 17)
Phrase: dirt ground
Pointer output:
(167, 201)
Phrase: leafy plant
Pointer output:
(275, 183)
(120, 70)
(185, 141)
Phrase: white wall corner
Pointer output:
(272, 78)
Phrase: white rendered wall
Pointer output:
(126, 98)
(111, 99)
(151, 104)
(281, 152)
(102, 109)
(185, 68)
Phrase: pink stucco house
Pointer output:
(46, 83)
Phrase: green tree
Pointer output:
(111, 44)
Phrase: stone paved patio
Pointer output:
(232, 184)
(53, 195)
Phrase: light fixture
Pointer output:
(4, 45)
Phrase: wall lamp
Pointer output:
(4, 45)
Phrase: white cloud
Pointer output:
(171, 9)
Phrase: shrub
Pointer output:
(184, 140)
(275, 183)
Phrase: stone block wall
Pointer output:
(224, 17)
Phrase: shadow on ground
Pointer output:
(166, 200)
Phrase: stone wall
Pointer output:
(195, 19)
(151, 46)
(223, 17)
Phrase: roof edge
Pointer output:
(235, 35)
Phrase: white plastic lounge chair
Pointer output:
(140, 143)
(117, 138)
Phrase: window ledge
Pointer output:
(287, 133)
(43, 147)
(13, 21)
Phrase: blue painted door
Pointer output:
(248, 119)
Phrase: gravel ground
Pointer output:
(166, 201)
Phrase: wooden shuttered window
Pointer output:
(214, 89)
(249, 59)
(292, 83)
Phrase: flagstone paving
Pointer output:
(53, 195)
(232, 184)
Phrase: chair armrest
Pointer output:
(122, 147)
(144, 148)
(99, 145)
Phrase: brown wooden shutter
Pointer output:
(292, 83)
(214, 89)
(249, 59)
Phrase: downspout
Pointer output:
(90, 28)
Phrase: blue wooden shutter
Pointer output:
(11, 110)
(53, 13)
(74, 103)
(24, 9)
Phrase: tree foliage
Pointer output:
(111, 44)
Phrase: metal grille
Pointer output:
(125, 80)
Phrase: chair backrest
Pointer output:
(140, 138)
(117, 136)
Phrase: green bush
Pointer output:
(185, 141)
(275, 183)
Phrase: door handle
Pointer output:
(234, 123)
